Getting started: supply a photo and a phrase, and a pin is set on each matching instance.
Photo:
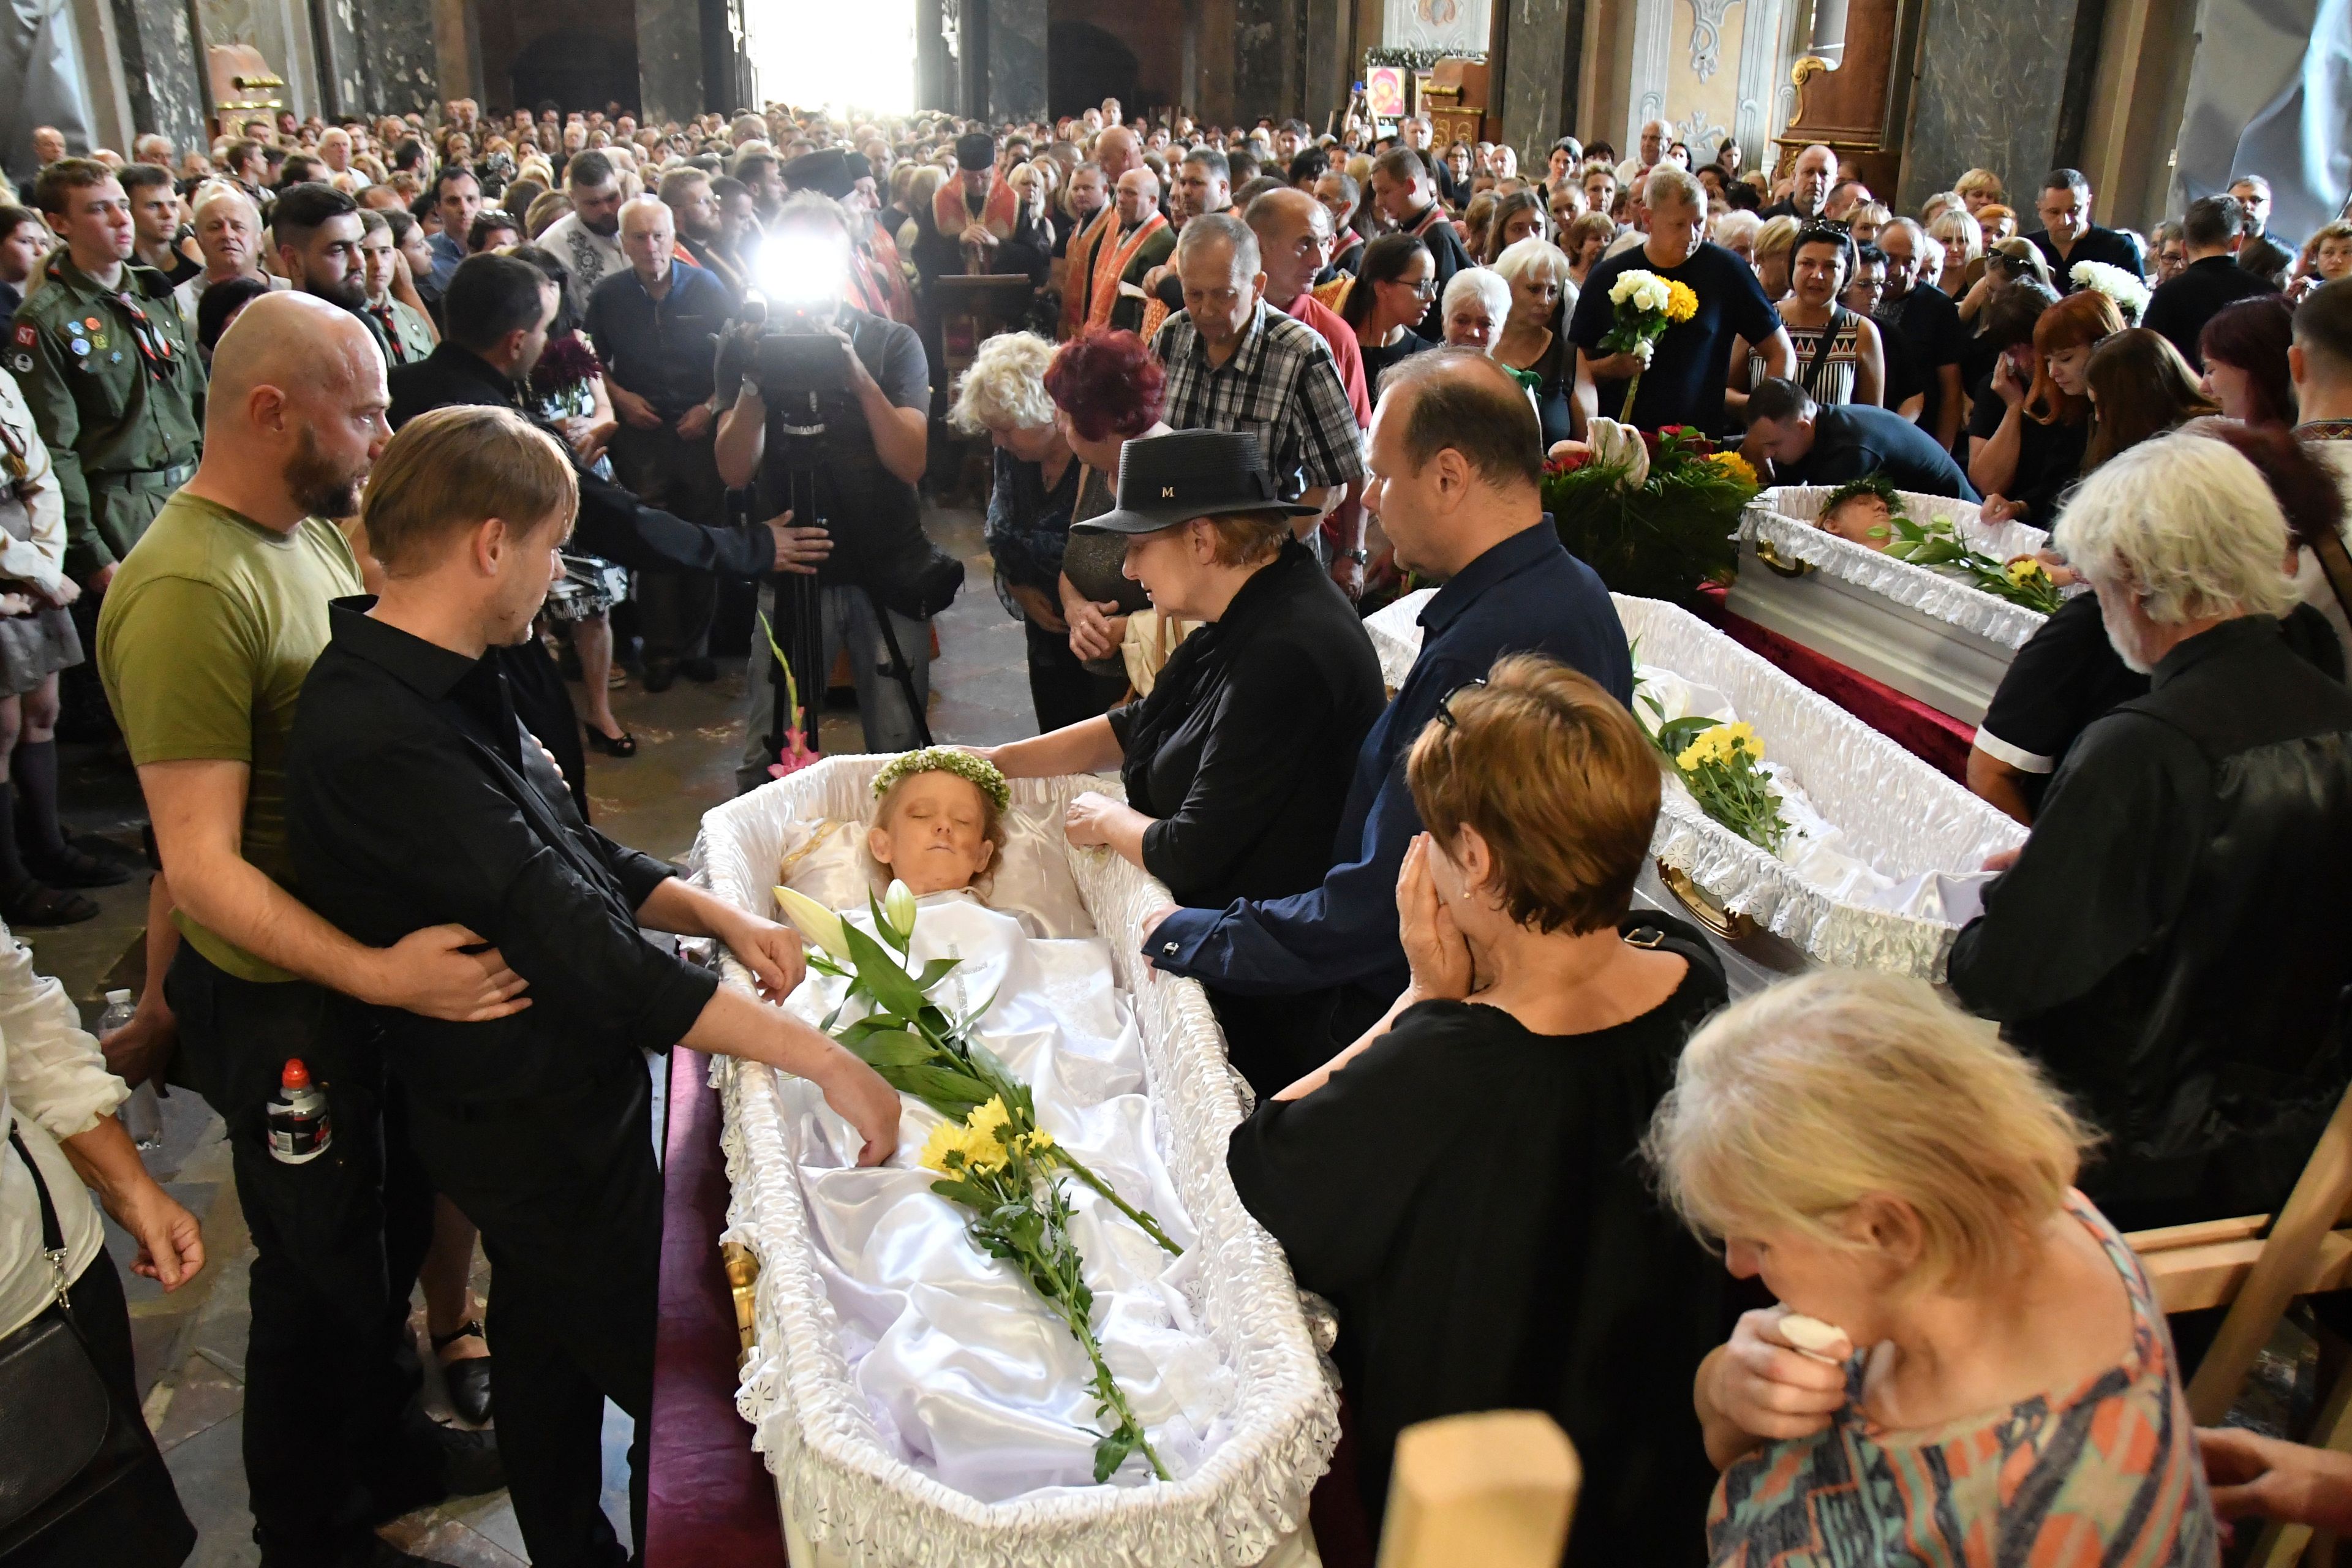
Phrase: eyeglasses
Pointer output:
(1426, 289)
(1445, 703)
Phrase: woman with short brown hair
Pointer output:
(1462, 1182)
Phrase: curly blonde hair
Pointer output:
(1005, 387)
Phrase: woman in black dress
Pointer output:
(1237, 765)
(1395, 284)
(1463, 1182)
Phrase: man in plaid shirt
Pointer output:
(1235, 363)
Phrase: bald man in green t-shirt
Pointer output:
(211, 623)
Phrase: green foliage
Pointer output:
(1660, 539)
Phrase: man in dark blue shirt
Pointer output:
(1683, 377)
(2212, 232)
(1805, 444)
(1456, 458)
(656, 328)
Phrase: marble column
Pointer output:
(383, 55)
(1536, 74)
(457, 48)
(1994, 98)
(669, 59)
(1016, 60)
(160, 77)
(1265, 50)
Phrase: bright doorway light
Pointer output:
(834, 53)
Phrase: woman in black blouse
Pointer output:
(1237, 765)
(1463, 1182)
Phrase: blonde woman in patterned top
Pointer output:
(1988, 1378)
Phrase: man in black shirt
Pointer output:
(1403, 193)
(2212, 232)
(2163, 944)
(1925, 336)
(1811, 179)
(1794, 441)
(1683, 377)
(412, 787)
(2068, 235)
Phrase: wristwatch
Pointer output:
(1359, 555)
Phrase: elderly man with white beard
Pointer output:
(2164, 942)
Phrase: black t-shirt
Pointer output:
(2111, 246)
(1377, 361)
(2049, 457)
(1923, 334)
(1683, 385)
(2068, 674)
(1852, 440)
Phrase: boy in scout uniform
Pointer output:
(109, 366)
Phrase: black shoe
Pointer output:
(660, 675)
(468, 1378)
(30, 905)
(701, 671)
(471, 1462)
(72, 867)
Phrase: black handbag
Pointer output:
(80, 1477)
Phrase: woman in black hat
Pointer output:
(1237, 765)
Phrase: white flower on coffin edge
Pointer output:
(2129, 293)
(1616, 445)
(816, 922)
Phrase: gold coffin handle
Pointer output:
(743, 1283)
(1773, 560)
(1727, 924)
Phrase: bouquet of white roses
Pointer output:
(2129, 293)
(1646, 305)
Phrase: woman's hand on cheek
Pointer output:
(1434, 947)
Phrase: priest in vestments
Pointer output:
(1142, 239)
(1116, 153)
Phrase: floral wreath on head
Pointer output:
(984, 776)
(1878, 485)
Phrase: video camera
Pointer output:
(796, 357)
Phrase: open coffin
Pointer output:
(1930, 636)
(1881, 815)
(856, 1485)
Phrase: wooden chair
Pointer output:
(1492, 1490)
(2257, 1267)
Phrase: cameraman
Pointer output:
(865, 463)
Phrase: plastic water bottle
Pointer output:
(142, 1114)
(300, 1128)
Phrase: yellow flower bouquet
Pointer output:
(1720, 764)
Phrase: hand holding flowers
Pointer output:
(1645, 305)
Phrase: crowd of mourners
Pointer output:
(1239, 386)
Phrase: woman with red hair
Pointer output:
(2244, 351)
(2035, 466)
(1106, 391)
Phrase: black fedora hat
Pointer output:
(1167, 480)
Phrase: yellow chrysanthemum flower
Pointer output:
(1738, 738)
(1735, 465)
(1682, 303)
(2024, 569)
(1038, 1140)
(946, 1150)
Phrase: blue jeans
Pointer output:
(851, 621)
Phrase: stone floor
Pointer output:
(191, 1344)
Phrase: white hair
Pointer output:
(212, 192)
(1005, 387)
(644, 203)
(2187, 525)
(1523, 256)
(1672, 184)
(1664, 128)
(1737, 226)
(1485, 282)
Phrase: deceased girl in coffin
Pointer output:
(976, 1372)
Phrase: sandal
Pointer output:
(616, 679)
(468, 1378)
(30, 904)
(72, 867)
(621, 745)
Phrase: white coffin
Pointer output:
(1902, 818)
(1928, 636)
(846, 1498)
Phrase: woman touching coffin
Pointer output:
(1237, 765)
(1462, 1181)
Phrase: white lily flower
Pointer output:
(816, 922)
(898, 909)
(1619, 446)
